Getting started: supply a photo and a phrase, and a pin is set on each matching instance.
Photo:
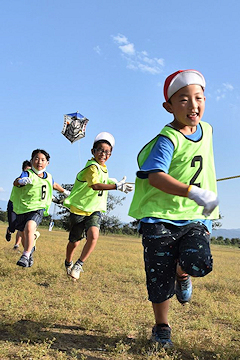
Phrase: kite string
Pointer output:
(79, 153)
(226, 178)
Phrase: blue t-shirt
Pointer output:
(25, 174)
(160, 159)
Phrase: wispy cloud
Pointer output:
(223, 90)
(137, 60)
(97, 49)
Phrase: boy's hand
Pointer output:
(123, 186)
(206, 198)
(24, 181)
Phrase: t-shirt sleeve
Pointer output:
(91, 175)
(159, 158)
(24, 174)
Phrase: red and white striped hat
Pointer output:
(180, 79)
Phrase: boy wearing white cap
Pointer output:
(88, 199)
(175, 199)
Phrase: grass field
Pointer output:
(106, 315)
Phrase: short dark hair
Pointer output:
(37, 151)
(25, 164)
(95, 145)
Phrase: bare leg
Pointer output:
(28, 238)
(91, 241)
(161, 312)
(19, 236)
(70, 250)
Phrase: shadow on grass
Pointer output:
(66, 338)
(62, 337)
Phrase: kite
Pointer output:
(74, 126)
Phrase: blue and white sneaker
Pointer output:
(23, 261)
(183, 289)
(161, 334)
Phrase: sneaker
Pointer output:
(16, 247)
(162, 336)
(30, 261)
(68, 267)
(8, 235)
(23, 261)
(76, 269)
(36, 236)
(183, 289)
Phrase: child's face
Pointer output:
(187, 106)
(102, 153)
(39, 162)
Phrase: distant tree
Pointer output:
(131, 228)
(3, 215)
(111, 223)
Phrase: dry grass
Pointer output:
(106, 314)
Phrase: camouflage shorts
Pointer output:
(79, 225)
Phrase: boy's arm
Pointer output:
(101, 186)
(60, 189)
(164, 182)
(92, 178)
(22, 180)
(168, 184)
(118, 185)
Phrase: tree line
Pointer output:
(111, 224)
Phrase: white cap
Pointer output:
(105, 136)
(180, 79)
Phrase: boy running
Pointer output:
(32, 201)
(87, 200)
(175, 199)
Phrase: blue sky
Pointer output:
(108, 60)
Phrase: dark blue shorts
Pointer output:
(22, 219)
(166, 244)
(79, 225)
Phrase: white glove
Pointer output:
(205, 198)
(123, 186)
(66, 193)
(24, 181)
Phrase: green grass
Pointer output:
(106, 315)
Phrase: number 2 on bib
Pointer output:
(197, 162)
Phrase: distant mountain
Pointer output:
(227, 233)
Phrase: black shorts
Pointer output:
(22, 219)
(12, 217)
(165, 245)
(79, 225)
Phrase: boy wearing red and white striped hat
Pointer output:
(175, 199)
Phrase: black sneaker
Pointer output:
(161, 334)
(23, 261)
(8, 235)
